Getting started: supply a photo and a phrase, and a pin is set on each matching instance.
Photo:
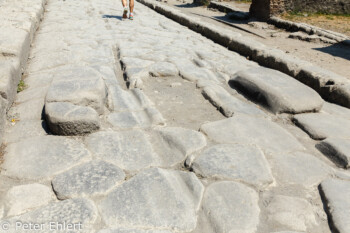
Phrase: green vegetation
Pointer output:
(21, 86)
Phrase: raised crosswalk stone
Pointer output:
(321, 125)
(336, 196)
(337, 149)
(68, 119)
(134, 203)
(234, 162)
(90, 179)
(280, 92)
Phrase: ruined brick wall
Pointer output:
(263, 9)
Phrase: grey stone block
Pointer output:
(292, 213)
(321, 125)
(87, 180)
(229, 207)
(134, 203)
(228, 104)
(81, 213)
(249, 130)
(43, 157)
(234, 162)
(337, 149)
(130, 150)
(69, 119)
(280, 92)
(336, 196)
(163, 69)
(23, 198)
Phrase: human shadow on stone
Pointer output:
(337, 50)
(188, 5)
(112, 17)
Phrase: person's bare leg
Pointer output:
(131, 3)
(125, 11)
(125, 3)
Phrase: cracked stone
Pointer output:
(90, 179)
(234, 162)
(134, 204)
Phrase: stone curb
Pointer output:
(309, 29)
(332, 87)
(14, 53)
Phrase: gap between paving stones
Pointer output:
(332, 87)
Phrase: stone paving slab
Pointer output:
(336, 194)
(280, 92)
(337, 149)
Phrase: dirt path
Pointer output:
(332, 57)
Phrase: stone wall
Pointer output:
(263, 9)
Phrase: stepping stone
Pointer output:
(69, 119)
(228, 104)
(129, 230)
(334, 109)
(135, 203)
(22, 198)
(137, 119)
(229, 207)
(337, 149)
(292, 213)
(132, 100)
(240, 128)
(88, 91)
(80, 213)
(86, 180)
(298, 168)
(25, 129)
(321, 125)
(173, 144)
(163, 69)
(129, 150)
(42, 157)
(336, 197)
(234, 162)
(280, 92)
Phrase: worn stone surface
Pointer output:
(280, 92)
(163, 69)
(292, 213)
(222, 207)
(81, 213)
(234, 162)
(321, 125)
(228, 104)
(134, 203)
(69, 119)
(42, 157)
(138, 119)
(298, 168)
(129, 230)
(337, 149)
(175, 143)
(23, 198)
(88, 91)
(90, 179)
(25, 129)
(336, 195)
(130, 150)
(249, 130)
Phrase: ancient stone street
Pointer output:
(146, 126)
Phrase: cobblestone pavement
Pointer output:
(145, 126)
